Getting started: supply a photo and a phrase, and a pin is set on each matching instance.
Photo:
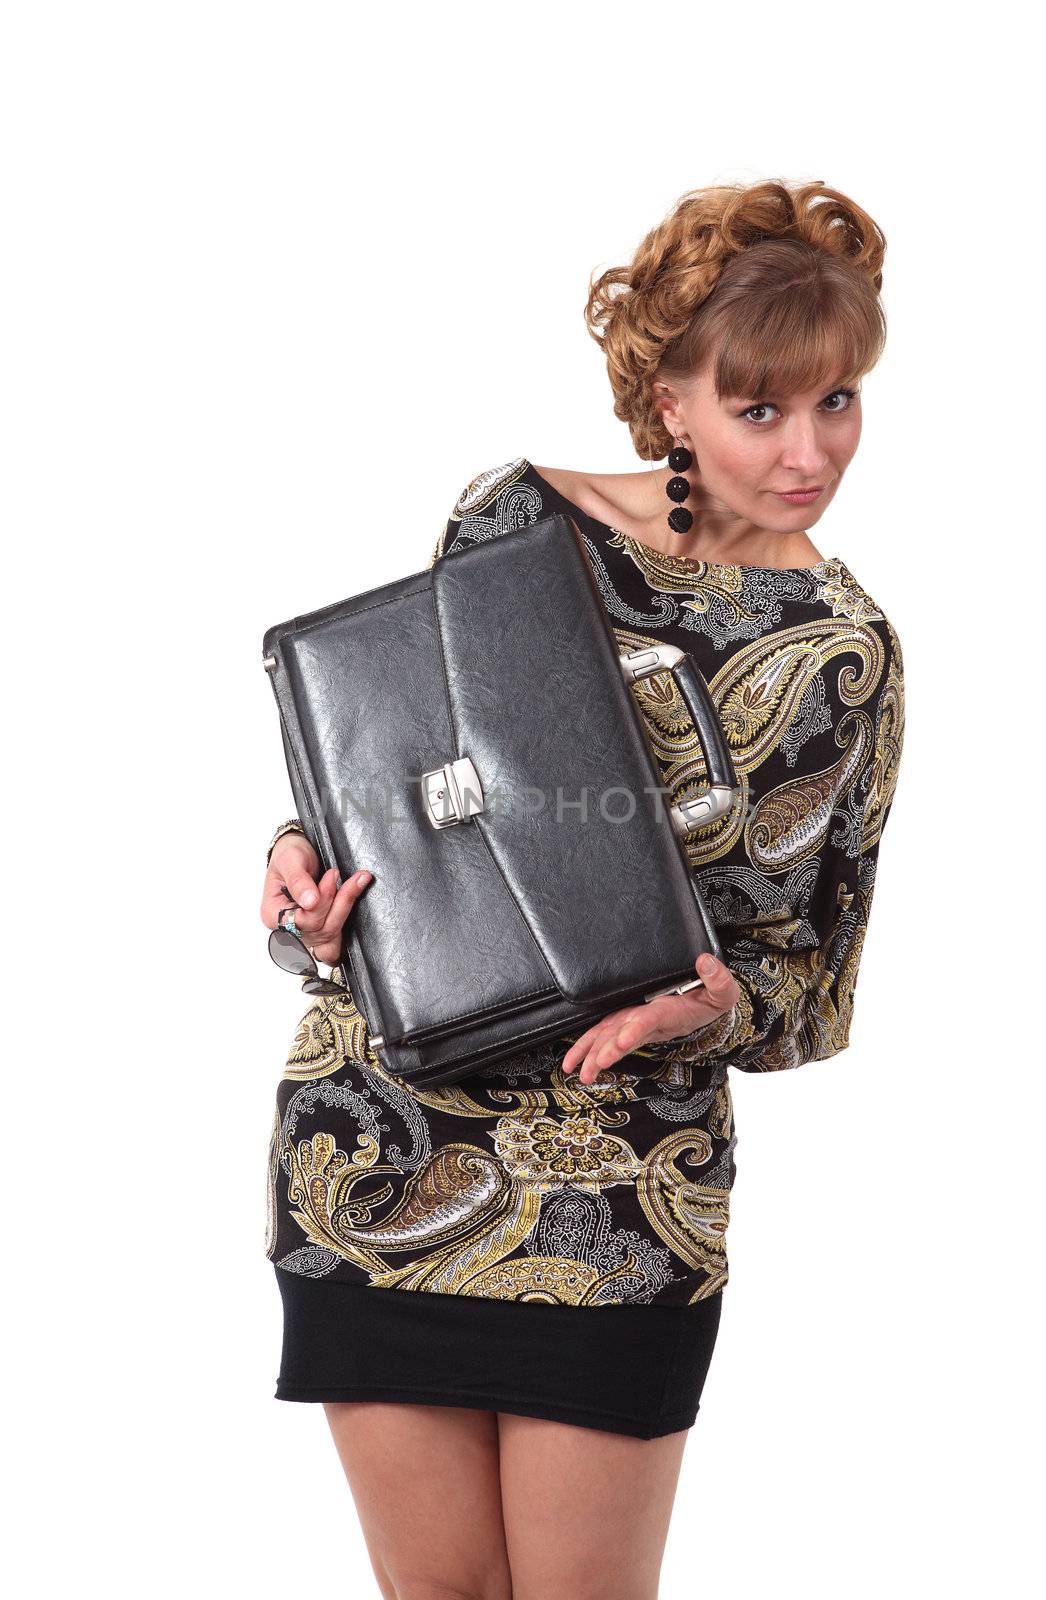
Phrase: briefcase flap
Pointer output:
(570, 880)
(573, 816)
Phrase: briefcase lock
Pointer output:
(453, 793)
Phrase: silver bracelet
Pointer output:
(292, 825)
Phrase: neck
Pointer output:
(717, 534)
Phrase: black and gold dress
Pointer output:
(523, 1242)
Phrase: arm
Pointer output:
(797, 969)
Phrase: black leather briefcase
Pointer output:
(468, 734)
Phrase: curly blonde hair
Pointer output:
(778, 285)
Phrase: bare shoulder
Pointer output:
(604, 495)
(635, 504)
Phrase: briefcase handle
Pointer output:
(723, 787)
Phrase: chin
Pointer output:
(805, 516)
(791, 518)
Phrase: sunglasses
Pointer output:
(289, 954)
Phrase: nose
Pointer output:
(803, 452)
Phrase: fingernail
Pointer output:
(364, 876)
(308, 898)
(707, 965)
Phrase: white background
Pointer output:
(279, 280)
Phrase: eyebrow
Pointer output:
(767, 394)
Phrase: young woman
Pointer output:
(506, 1291)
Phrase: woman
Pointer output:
(510, 1386)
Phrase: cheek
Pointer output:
(842, 441)
(852, 439)
(741, 462)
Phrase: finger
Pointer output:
(634, 1031)
(598, 1056)
(312, 920)
(611, 1038)
(350, 892)
(342, 901)
(618, 1041)
(276, 897)
(721, 986)
(579, 1049)
(328, 936)
(304, 891)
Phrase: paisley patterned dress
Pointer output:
(525, 1187)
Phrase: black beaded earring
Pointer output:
(677, 488)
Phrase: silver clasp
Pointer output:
(453, 793)
(676, 988)
(648, 659)
(688, 815)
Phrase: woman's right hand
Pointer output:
(321, 908)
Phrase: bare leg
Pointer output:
(586, 1512)
(426, 1484)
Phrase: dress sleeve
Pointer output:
(445, 540)
(797, 966)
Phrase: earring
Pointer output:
(677, 488)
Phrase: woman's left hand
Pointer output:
(668, 1017)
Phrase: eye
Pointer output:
(768, 405)
(848, 395)
(762, 405)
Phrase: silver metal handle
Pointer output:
(687, 816)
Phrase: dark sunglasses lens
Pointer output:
(290, 954)
(322, 986)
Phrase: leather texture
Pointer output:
(569, 894)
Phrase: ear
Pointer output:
(666, 401)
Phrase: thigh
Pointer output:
(426, 1484)
(586, 1512)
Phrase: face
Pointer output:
(748, 449)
